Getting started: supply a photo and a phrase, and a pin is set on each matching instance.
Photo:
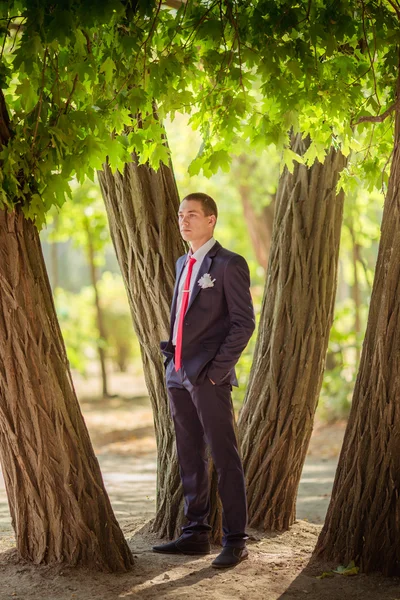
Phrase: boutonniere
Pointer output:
(206, 281)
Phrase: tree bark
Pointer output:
(142, 207)
(276, 420)
(356, 291)
(363, 518)
(99, 312)
(59, 507)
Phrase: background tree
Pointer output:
(142, 206)
(85, 224)
(315, 46)
(277, 416)
(362, 520)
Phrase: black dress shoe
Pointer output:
(230, 557)
(191, 546)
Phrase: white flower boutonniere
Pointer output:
(206, 281)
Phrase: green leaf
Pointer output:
(195, 166)
(35, 210)
(160, 154)
(117, 155)
(56, 191)
(219, 160)
(27, 94)
(120, 118)
(289, 157)
(108, 67)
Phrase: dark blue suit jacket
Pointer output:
(219, 320)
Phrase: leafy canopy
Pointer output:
(84, 79)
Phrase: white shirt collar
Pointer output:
(203, 250)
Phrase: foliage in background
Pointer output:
(77, 321)
(358, 250)
(83, 221)
(78, 324)
(122, 344)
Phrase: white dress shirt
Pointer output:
(199, 256)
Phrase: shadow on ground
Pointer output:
(310, 585)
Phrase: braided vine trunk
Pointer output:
(276, 420)
(59, 507)
(363, 520)
(142, 207)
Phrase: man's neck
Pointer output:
(194, 246)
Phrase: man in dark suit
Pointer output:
(212, 320)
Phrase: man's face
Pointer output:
(194, 225)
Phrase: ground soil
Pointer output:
(280, 566)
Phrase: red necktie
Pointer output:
(184, 305)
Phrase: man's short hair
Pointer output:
(208, 204)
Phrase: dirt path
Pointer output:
(123, 437)
(279, 565)
(278, 568)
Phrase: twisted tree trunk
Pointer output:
(363, 520)
(59, 507)
(276, 420)
(142, 207)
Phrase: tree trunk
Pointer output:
(356, 291)
(59, 507)
(99, 312)
(276, 420)
(142, 207)
(363, 520)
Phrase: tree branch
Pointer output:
(71, 94)
(68, 102)
(40, 98)
(4, 41)
(153, 25)
(371, 60)
(395, 7)
(17, 32)
(378, 118)
(88, 42)
(5, 131)
(174, 3)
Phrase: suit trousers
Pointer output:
(203, 416)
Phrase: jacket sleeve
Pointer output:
(242, 321)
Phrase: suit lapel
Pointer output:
(205, 268)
